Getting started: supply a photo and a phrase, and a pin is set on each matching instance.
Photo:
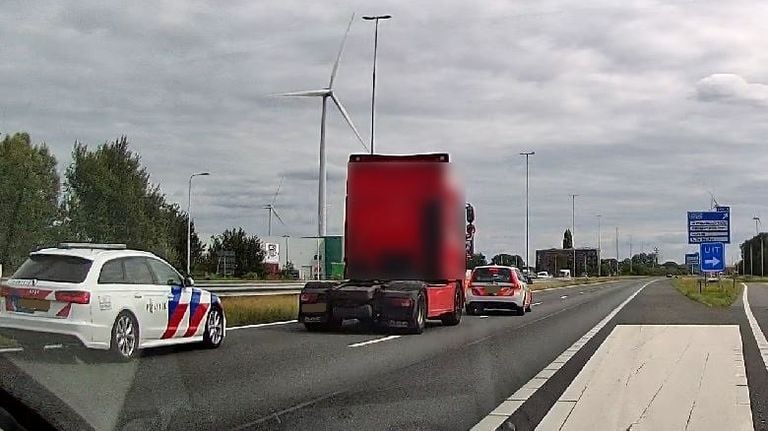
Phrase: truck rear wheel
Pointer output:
(454, 318)
(418, 321)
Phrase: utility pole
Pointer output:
(759, 238)
(630, 255)
(573, 231)
(527, 154)
(599, 259)
(189, 220)
(617, 250)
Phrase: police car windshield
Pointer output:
(47, 267)
(488, 275)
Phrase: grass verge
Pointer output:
(6, 342)
(712, 294)
(248, 310)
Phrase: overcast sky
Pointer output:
(641, 107)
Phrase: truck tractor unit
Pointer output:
(407, 235)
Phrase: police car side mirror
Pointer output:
(188, 282)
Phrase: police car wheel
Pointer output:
(214, 328)
(125, 337)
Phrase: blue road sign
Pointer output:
(692, 259)
(709, 226)
(712, 257)
(723, 209)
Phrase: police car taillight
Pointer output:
(308, 297)
(73, 296)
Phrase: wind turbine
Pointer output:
(326, 93)
(270, 207)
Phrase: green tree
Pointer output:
(29, 187)
(109, 198)
(478, 259)
(508, 260)
(249, 256)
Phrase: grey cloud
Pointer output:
(732, 88)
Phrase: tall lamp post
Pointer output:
(375, 18)
(757, 232)
(189, 218)
(527, 154)
(599, 246)
(573, 228)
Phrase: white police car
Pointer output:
(106, 297)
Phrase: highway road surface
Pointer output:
(632, 354)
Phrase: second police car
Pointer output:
(106, 297)
(498, 287)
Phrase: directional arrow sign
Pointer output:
(712, 257)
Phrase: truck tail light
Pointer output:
(73, 296)
(401, 302)
(308, 297)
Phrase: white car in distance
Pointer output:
(106, 297)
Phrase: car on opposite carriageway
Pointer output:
(498, 287)
(106, 297)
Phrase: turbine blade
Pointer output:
(308, 93)
(277, 216)
(341, 50)
(274, 198)
(349, 120)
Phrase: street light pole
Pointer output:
(599, 244)
(757, 233)
(573, 229)
(527, 154)
(375, 18)
(189, 218)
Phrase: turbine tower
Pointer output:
(327, 93)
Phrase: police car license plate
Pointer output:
(30, 305)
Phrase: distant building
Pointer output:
(312, 257)
(554, 259)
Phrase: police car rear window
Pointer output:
(488, 275)
(49, 267)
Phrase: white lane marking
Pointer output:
(261, 325)
(581, 293)
(374, 341)
(502, 412)
(564, 296)
(483, 317)
(12, 350)
(536, 303)
(53, 346)
(762, 343)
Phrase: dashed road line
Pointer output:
(374, 341)
(508, 407)
(564, 296)
(536, 303)
(261, 325)
(483, 317)
(762, 343)
(12, 350)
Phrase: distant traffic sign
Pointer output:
(723, 209)
(709, 226)
(692, 259)
(712, 257)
